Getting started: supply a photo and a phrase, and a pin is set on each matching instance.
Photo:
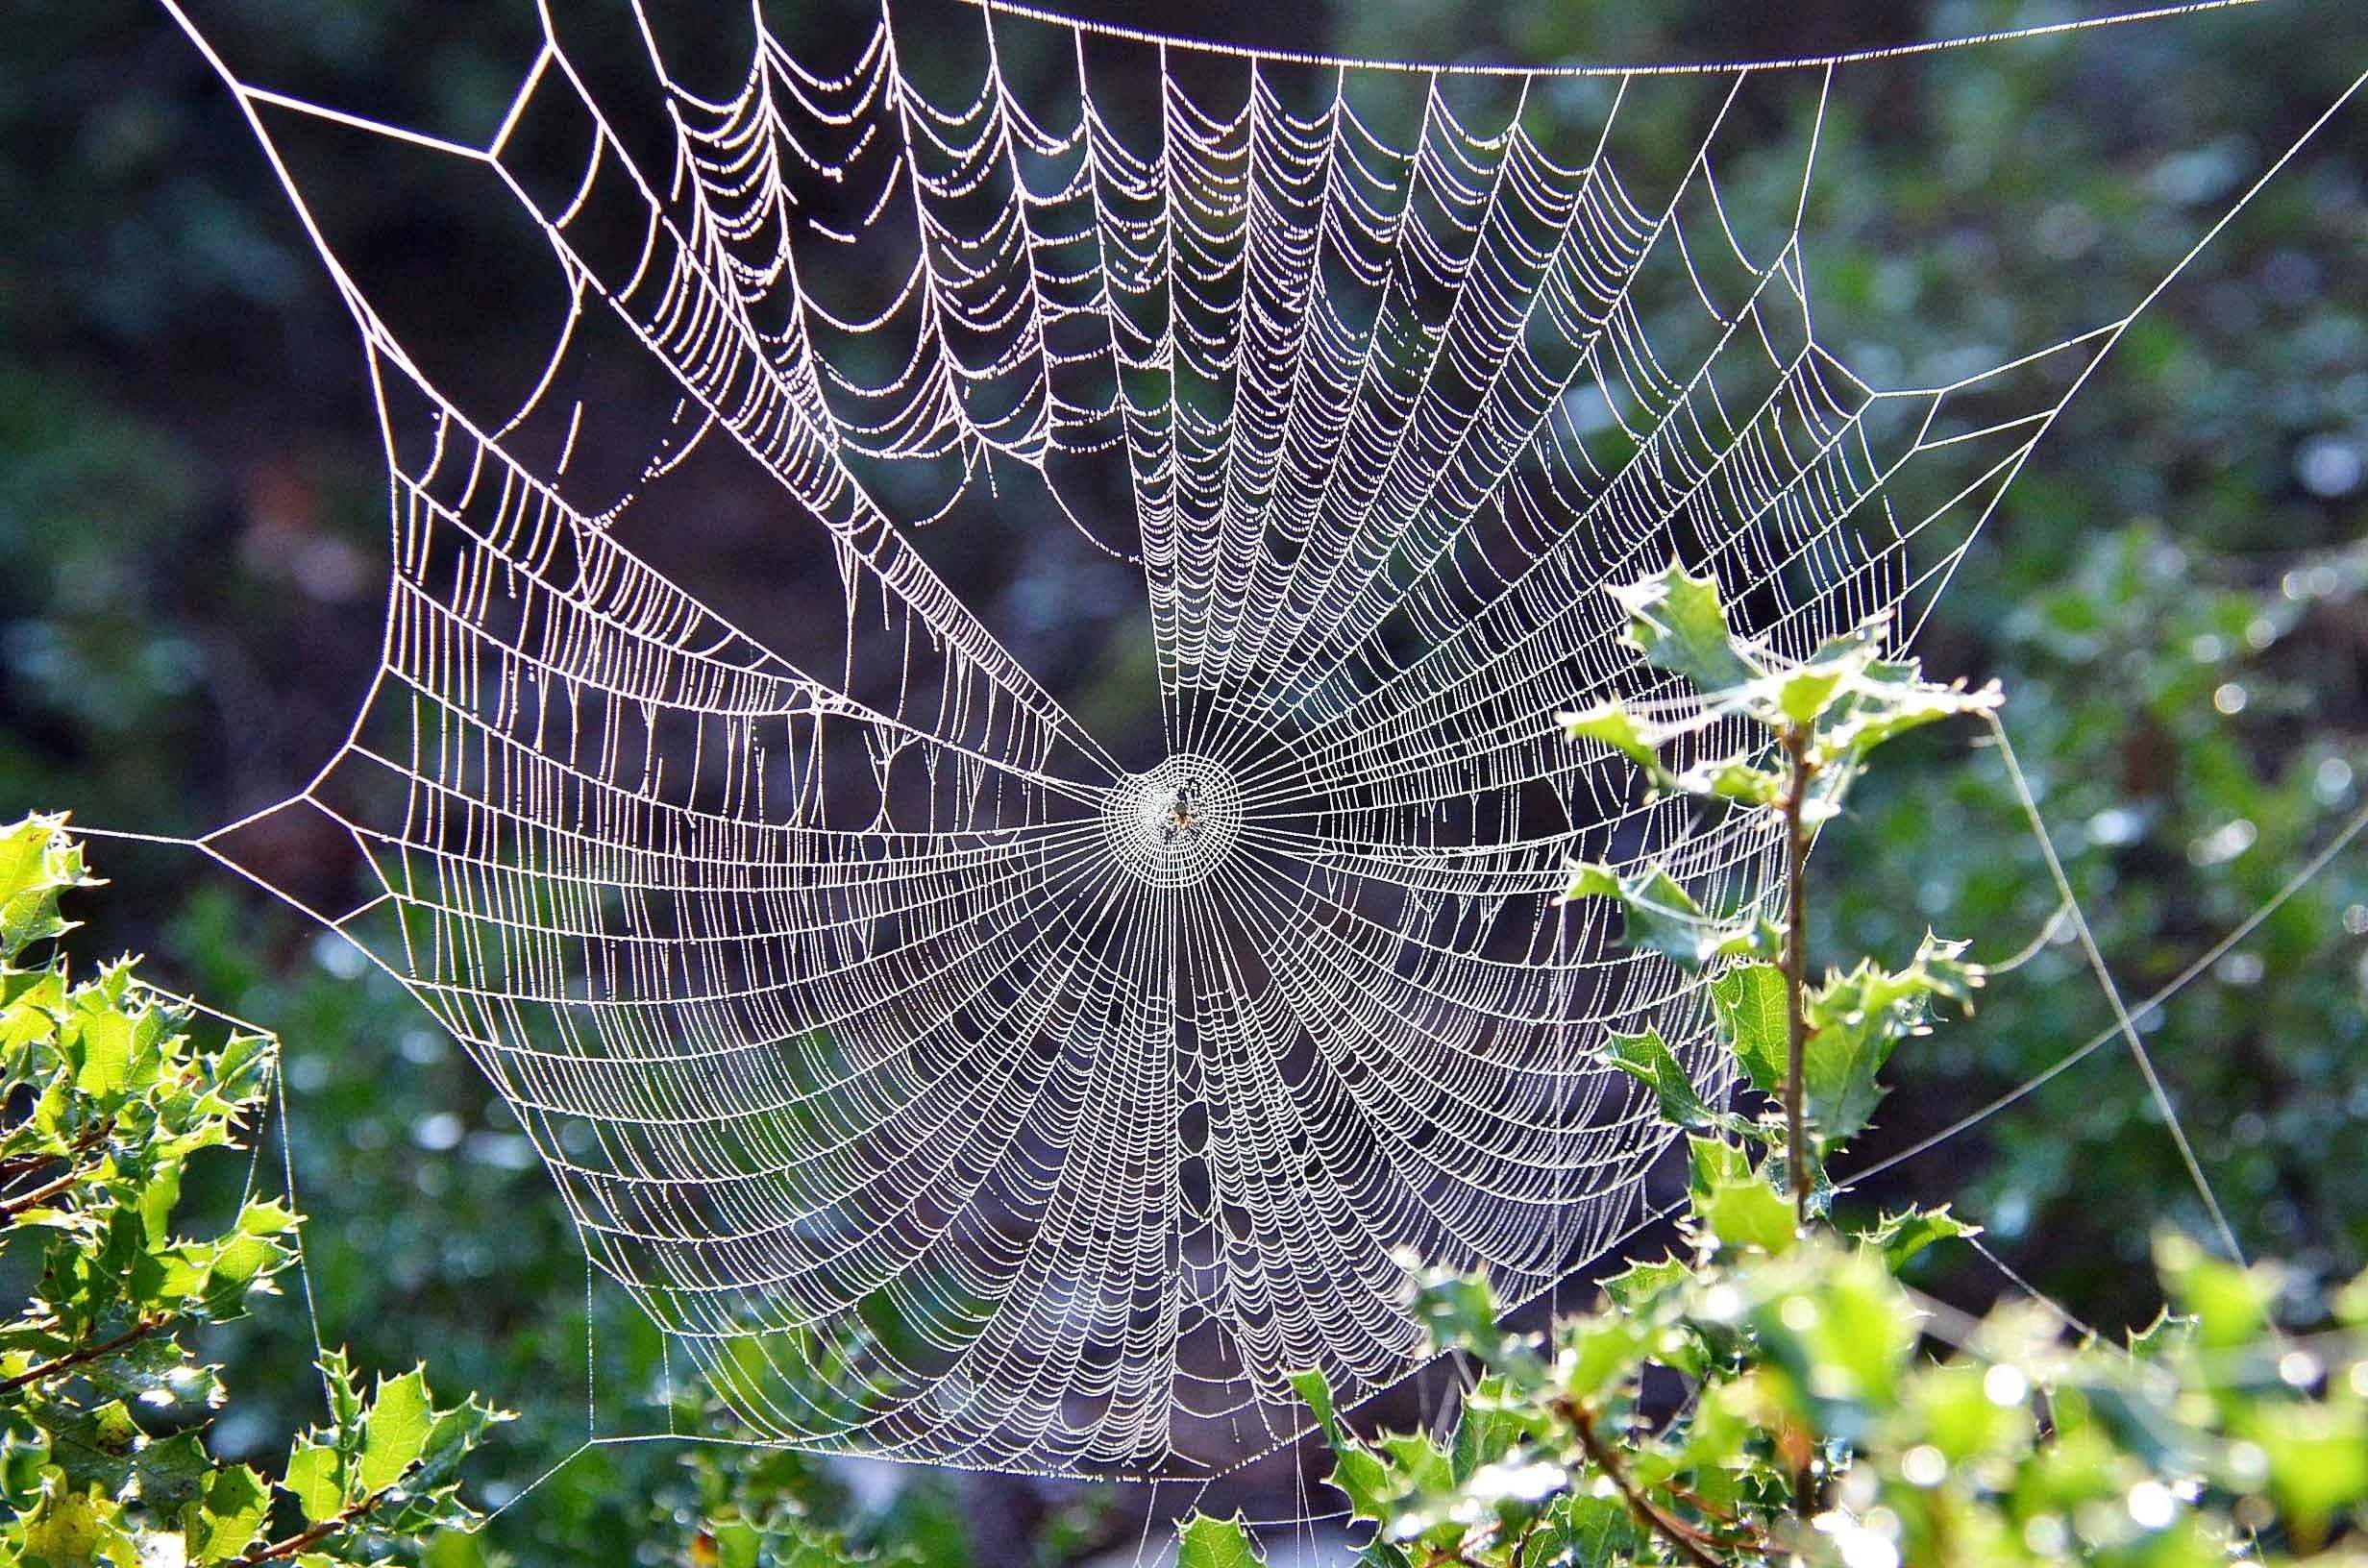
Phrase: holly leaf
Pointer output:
(1733, 1201)
(1842, 1333)
(156, 1373)
(1677, 623)
(1885, 701)
(2168, 1334)
(1662, 917)
(1609, 723)
(1358, 1474)
(37, 863)
(1750, 1002)
(106, 1449)
(229, 1518)
(315, 1477)
(2318, 1458)
(1635, 1288)
(1497, 1419)
(1216, 1543)
(2230, 1302)
(1727, 779)
(1459, 1312)
(1838, 1065)
(1586, 1531)
(67, 1525)
(394, 1431)
(1804, 693)
(1904, 1235)
(1648, 1059)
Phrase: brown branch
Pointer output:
(91, 1138)
(1687, 1540)
(1520, 1547)
(312, 1535)
(1699, 1503)
(131, 1336)
(1799, 772)
(10, 1209)
(1796, 965)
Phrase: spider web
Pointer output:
(945, 1087)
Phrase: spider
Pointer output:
(1181, 820)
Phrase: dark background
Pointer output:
(191, 527)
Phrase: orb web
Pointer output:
(942, 1085)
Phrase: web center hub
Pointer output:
(1173, 826)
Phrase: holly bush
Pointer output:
(1777, 1390)
(107, 1097)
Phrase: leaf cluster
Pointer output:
(109, 1097)
(1777, 1392)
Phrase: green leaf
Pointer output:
(1610, 725)
(1841, 1330)
(1216, 1543)
(1586, 1531)
(1458, 1311)
(106, 1040)
(1601, 1354)
(68, 1527)
(1663, 918)
(395, 1431)
(229, 1518)
(2159, 1341)
(345, 1402)
(1495, 1420)
(1956, 1413)
(2318, 1458)
(1358, 1474)
(1648, 1059)
(1885, 700)
(1732, 1200)
(454, 1549)
(1805, 691)
(1317, 1395)
(38, 862)
(316, 1477)
(155, 1375)
(1635, 1289)
(1838, 1065)
(1727, 779)
(1750, 1001)
(106, 1448)
(1676, 622)
(1904, 1235)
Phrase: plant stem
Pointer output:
(313, 1535)
(1686, 1539)
(1798, 773)
(39, 1195)
(131, 1336)
(91, 1138)
(1796, 965)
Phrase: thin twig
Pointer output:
(91, 1138)
(131, 1336)
(312, 1535)
(1687, 1540)
(1796, 965)
(41, 1195)
(1799, 772)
